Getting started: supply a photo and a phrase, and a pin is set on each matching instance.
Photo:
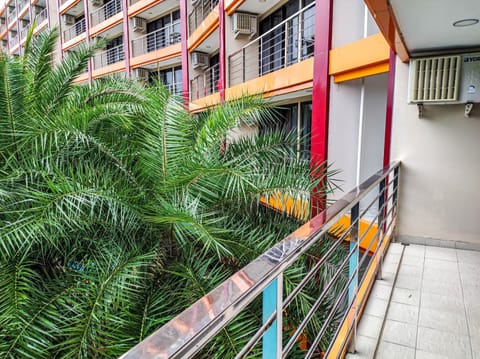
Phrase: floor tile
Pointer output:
(438, 342)
(439, 264)
(414, 250)
(406, 296)
(381, 290)
(419, 354)
(399, 333)
(364, 348)
(410, 271)
(408, 282)
(403, 313)
(441, 275)
(376, 307)
(471, 257)
(448, 321)
(392, 259)
(438, 287)
(448, 254)
(394, 351)
(413, 261)
(442, 302)
(370, 326)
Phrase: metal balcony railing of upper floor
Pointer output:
(157, 39)
(73, 31)
(41, 17)
(2, 27)
(105, 12)
(14, 41)
(108, 57)
(201, 9)
(206, 83)
(175, 88)
(12, 16)
(24, 32)
(268, 287)
(23, 4)
(285, 44)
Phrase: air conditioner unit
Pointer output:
(244, 24)
(199, 60)
(140, 74)
(139, 25)
(97, 2)
(68, 19)
(196, 2)
(445, 79)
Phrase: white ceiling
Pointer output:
(259, 7)
(427, 25)
(210, 44)
(160, 10)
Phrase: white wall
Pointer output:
(440, 174)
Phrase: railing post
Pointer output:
(381, 225)
(272, 300)
(243, 64)
(353, 269)
(285, 52)
(300, 37)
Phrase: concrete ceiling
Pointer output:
(428, 25)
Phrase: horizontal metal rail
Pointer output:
(201, 9)
(41, 17)
(157, 39)
(76, 29)
(285, 44)
(12, 16)
(105, 12)
(109, 57)
(190, 331)
(206, 83)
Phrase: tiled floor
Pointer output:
(433, 310)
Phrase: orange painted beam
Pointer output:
(82, 78)
(383, 15)
(232, 5)
(108, 70)
(362, 72)
(366, 53)
(157, 55)
(68, 5)
(141, 6)
(204, 30)
(107, 24)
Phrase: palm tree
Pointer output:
(118, 208)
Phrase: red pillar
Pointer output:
(184, 43)
(222, 55)
(126, 38)
(87, 37)
(320, 92)
(389, 111)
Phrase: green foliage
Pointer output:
(118, 209)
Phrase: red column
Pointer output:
(320, 92)
(389, 111)
(184, 34)
(60, 37)
(222, 60)
(87, 36)
(126, 38)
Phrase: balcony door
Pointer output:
(163, 31)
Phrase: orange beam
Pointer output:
(232, 5)
(383, 15)
(204, 30)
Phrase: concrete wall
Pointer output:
(440, 174)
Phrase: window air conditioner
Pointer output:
(244, 24)
(445, 79)
(97, 2)
(196, 2)
(139, 25)
(199, 60)
(140, 74)
(68, 19)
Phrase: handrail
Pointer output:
(41, 17)
(75, 30)
(106, 11)
(157, 39)
(204, 84)
(109, 57)
(201, 10)
(191, 330)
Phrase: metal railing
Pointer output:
(41, 17)
(287, 43)
(14, 41)
(109, 57)
(200, 11)
(12, 16)
(157, 39)
(2, 27)
(206, 83)
(24, 32)
(105, 12)
(337, 293)
(23, 3)
(76, 29)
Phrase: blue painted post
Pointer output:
(272, 301)
(353, 263)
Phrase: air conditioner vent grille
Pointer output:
(435, 79)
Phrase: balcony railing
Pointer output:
(2, 27)
(74, 30)
(109, 57)
(206, 83)
(24, 32)
(200, 11)
(337, 292)
(108, 10)
(175, 88)
(41, 17)
(24, 3)
(12, 16)
(14, 41)
(157, 39)
(289, 42)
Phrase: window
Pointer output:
(214, 73)
(79, 25)
(171, 78)
(115, 50)
(164, 31)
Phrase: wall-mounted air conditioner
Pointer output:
(196, 2)
(68, 19)
(140, 74)
(244, 24)
(445, 79)
(139, 25)
(97, 2)
(199, 60)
